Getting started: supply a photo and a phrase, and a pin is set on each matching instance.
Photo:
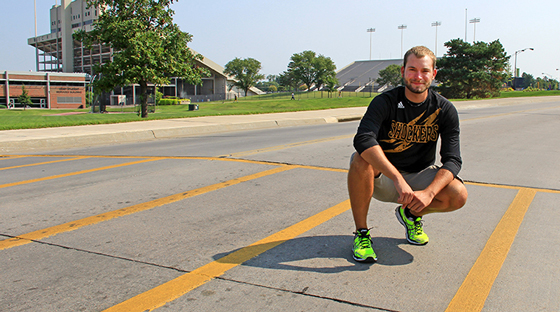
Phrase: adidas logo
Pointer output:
(400, 105)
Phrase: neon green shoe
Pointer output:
(362, 251)
(414, 232)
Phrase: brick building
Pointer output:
(47, 90)
(57, 51)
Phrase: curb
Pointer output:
(83, 140)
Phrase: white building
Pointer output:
(57, 51)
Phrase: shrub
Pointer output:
(169, 102)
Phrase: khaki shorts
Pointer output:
(384, 188)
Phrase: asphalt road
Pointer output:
(259, 221)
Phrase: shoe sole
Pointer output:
(366, 260)
(399, 217)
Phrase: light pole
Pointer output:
(474, 21)
(436, 24)
(551, 76)
(370, 30)
(515, 64)
(402, 28)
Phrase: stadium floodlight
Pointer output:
(474, 21)
(436, 24)
(402, 28)
(370, 30)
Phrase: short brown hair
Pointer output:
(419, 51)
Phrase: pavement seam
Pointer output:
(304, 292)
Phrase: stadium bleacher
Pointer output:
(362, 73)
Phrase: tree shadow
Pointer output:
(322, 254)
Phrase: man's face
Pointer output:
(418, 73)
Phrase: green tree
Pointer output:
(391, 75)
(148, 47)
(288, 80)
(528, 81)
(246, 72)
(24, 98)
(468, 71)
(330, 85)
(311, 69)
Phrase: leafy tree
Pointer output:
(528, 81)
(330, 85)
(311, 69)
(246, 72)
(24, 98)
(288, 80)
(468, 71)
(391, 75)
(148, 47)
(271, 84)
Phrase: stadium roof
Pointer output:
(362, 73)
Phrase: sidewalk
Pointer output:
(35, 140)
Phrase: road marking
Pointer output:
(73, 225)
(167, 292)
(45, 163)
(475, 288)
(285, 146)
(512, 187)
(77, 173)
(9, 157)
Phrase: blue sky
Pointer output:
(272, 31)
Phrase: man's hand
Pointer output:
(421, 200)
(406, 194)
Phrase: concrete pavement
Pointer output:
(36, 140)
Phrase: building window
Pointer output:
(69, 100)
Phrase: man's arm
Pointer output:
(377, 159)
(424, 198)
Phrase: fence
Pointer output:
(301, 95)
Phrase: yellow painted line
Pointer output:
(285, 146)
(511, 187)
(73, 225)
(44, 163)
(167, 292)
(76, 173)
(10, 156)
(475, 288)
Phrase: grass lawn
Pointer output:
(41, 118)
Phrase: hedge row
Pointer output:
(172, 101)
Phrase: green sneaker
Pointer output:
(414, 232)
(362, 251)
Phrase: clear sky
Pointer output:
(272, 31)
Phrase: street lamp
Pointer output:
(370, 30)
(474, 21)
(549, 78)
(515, 66)
(402, 28)
(436, 24)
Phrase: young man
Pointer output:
(396, 149)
